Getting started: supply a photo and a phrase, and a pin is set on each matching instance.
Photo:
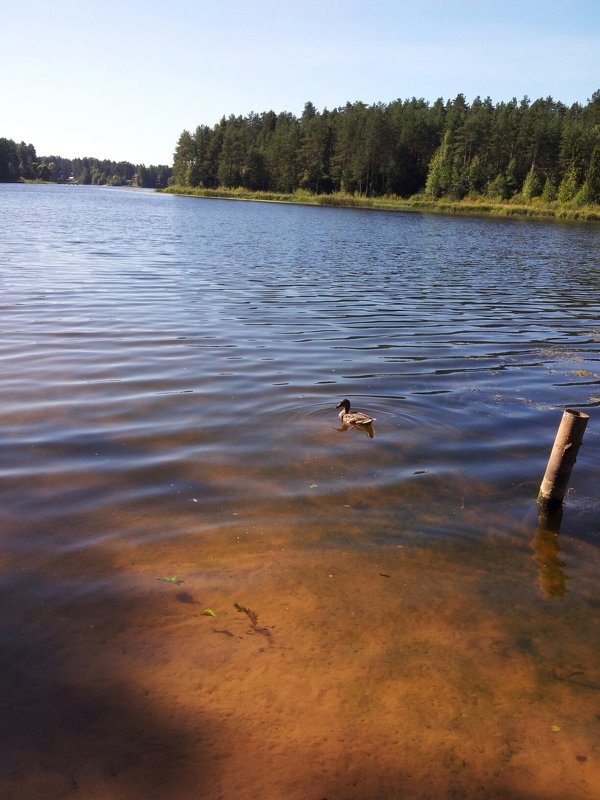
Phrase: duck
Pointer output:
(348, 417)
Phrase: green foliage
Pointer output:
(183, 158)
(590, 190)
(532, 186)
(45, 172)
(497, 189)
(475, 177)
(446, 150)
(20, 162)
(511, 178)
(549, 192)
(568, 185)
(152, 177)
(439, 177)
(17, 161)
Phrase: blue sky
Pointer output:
(121, 80)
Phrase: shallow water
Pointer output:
(169, 371)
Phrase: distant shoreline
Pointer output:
(474, 207)
(419, 203)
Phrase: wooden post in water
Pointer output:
(562, 458)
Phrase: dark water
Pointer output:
(169, 371)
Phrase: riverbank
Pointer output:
(418, 203)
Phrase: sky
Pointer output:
(122, 80)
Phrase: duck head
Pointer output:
(345, 404)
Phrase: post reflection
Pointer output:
(552, 578)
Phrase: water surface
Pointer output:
(169, 371)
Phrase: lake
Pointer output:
(210, 587)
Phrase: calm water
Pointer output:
(169, 371)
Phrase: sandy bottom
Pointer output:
(381, 671)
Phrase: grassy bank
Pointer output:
(535, 209)
(36, 181)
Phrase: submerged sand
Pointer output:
(381, 671)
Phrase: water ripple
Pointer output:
(151, 345)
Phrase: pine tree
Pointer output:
(182, 159)
(497, 188)
(439, 176)
(532, 186)
(475, 176)
(549, 193)
(511, 179)
(590, 190)
(568, 185)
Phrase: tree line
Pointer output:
(19, 161)
(453, 149)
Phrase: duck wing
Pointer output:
(358, 418)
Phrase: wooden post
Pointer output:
(562, 458)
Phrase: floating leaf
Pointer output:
(208, 612)
(172, 579)
(555, 728)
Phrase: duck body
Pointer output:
(348, 417)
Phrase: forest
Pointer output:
(508, 151)
(516, 151)
(19, 161)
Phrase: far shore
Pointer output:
(419, 203)
(536, 209)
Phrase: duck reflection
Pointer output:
(364, 427)
(553, 581)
